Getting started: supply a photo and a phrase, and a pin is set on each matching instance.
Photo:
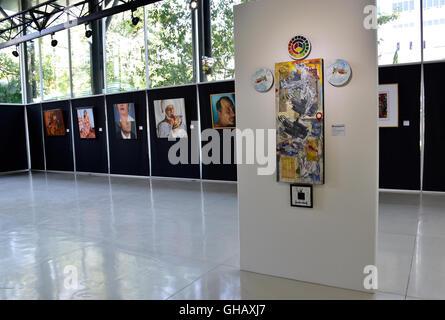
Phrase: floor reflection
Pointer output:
(132, 238)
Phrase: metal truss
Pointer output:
(50, 17)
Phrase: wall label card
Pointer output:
(338, 130)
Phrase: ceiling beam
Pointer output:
(44, 30)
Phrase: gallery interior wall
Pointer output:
(226, 172)
(34, 114)
(129, 157)
(91, 154)
(13, 138)
(160, 165)
(59, 149)
(399, 147)
(333, 242)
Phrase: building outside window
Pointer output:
(399, 23)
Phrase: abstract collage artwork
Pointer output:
(300, 121)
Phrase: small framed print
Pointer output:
(301, 196)
(389, 105)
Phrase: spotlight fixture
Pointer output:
(134, 20)
(193, 4)
(88, 32)
(54, 42)
(15, 53)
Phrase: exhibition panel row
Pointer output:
(132, 133)
(13, 141)
(400, 151)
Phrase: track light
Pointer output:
(15, 53)
(134, 20)
(88, 32)
(193, 4)
(54, 42)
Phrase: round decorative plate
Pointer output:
(299, 47)
(262, 80)
(339, 73)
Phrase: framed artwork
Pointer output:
(389, 105)
(299, 47)
(170, 118)
(85, 119)
(301, 196)
(125, 121)
(54, 122)
(223, 110)
(262, 80)
(339, 73)
(300, 121)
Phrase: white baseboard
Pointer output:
(13, 172)
(411, 191)
(135, 177)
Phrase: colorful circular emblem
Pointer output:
(262, 80)
(299, 47)
(339, 73)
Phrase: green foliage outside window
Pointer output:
(222, 38)
(10, 87)
(125, 51)
(170, 44)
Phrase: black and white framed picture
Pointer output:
(301, 196)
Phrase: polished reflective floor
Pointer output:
(87, 237)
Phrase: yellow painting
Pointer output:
(288, 170)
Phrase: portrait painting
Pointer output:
(300, 121)
(223, 110)
(85, 119)
(170, 118)
(54, 122)
(388, 105)
(125, 121)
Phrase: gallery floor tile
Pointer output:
(64, 236)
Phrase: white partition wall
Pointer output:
(333, 242)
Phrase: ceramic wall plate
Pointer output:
(339, 73)
(262, 80)
(299, 47)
